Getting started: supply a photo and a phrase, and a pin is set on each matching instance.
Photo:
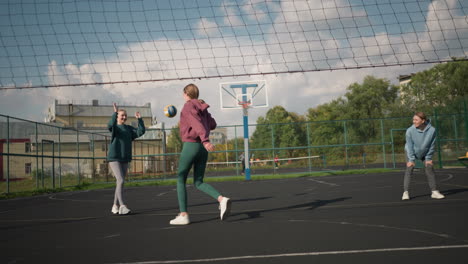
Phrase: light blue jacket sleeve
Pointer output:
(409, 147)
(431, 150)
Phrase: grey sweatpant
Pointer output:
(429, 169)
(120, 171)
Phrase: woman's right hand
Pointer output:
(208, 146)
(410, 164)
(115, 107)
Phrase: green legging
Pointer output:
(193, 154)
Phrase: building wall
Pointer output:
(25, 166)
(88, 122)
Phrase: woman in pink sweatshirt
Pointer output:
(195, 126)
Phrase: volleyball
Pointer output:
(170, 111)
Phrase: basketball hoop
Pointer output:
(244, 104)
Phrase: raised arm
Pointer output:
(140, 131)
(113, 121)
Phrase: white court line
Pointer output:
(450, 176)
(324, 182)
(342, 252)
(112, 236)
(49, 219)
(395, 228)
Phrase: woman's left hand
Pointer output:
(429, 162)
(138, 115)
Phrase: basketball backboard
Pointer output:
(238, 95)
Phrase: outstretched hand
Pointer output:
(208, 146)
(137, 115)
(116, 109)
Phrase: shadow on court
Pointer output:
(305, 206)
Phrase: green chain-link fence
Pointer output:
(36, 155)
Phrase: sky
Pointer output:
(136, 51)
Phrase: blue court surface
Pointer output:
(332, 219)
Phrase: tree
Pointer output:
(174, 142)
(327, 133)
(279, 129)
(323, 130)
(369, 100)
(438, 86)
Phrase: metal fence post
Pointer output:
(438, 135)
(273, 146)
(78, 155)
(8, 155)
(382, 134)
(237, 151)
(308, 146)
(346, 143)
(393, 148)
(455, 128)
(37, 158)
(60, 156)
(466, 120)
(94, 159)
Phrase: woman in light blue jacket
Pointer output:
(420, 145)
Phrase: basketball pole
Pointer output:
(246, 142)
(246, 127)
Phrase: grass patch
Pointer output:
(95, 186)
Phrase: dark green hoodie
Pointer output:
(120, 148)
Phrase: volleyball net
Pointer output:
(55, 43)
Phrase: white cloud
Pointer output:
(154, 60)
(232, 16)
(207, 28)
(253, 11)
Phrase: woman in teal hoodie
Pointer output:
(120, 152)
(420, 145)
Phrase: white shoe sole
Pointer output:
(173, 223)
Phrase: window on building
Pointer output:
(79, 124)
(27, 168)
(27, 147)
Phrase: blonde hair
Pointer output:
(191, 90)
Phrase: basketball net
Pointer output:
(244, 104)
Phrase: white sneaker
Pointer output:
(115, 209)
(437, 195)
(405, 196)
(225, 208)
(123, 210)
(180, 220)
